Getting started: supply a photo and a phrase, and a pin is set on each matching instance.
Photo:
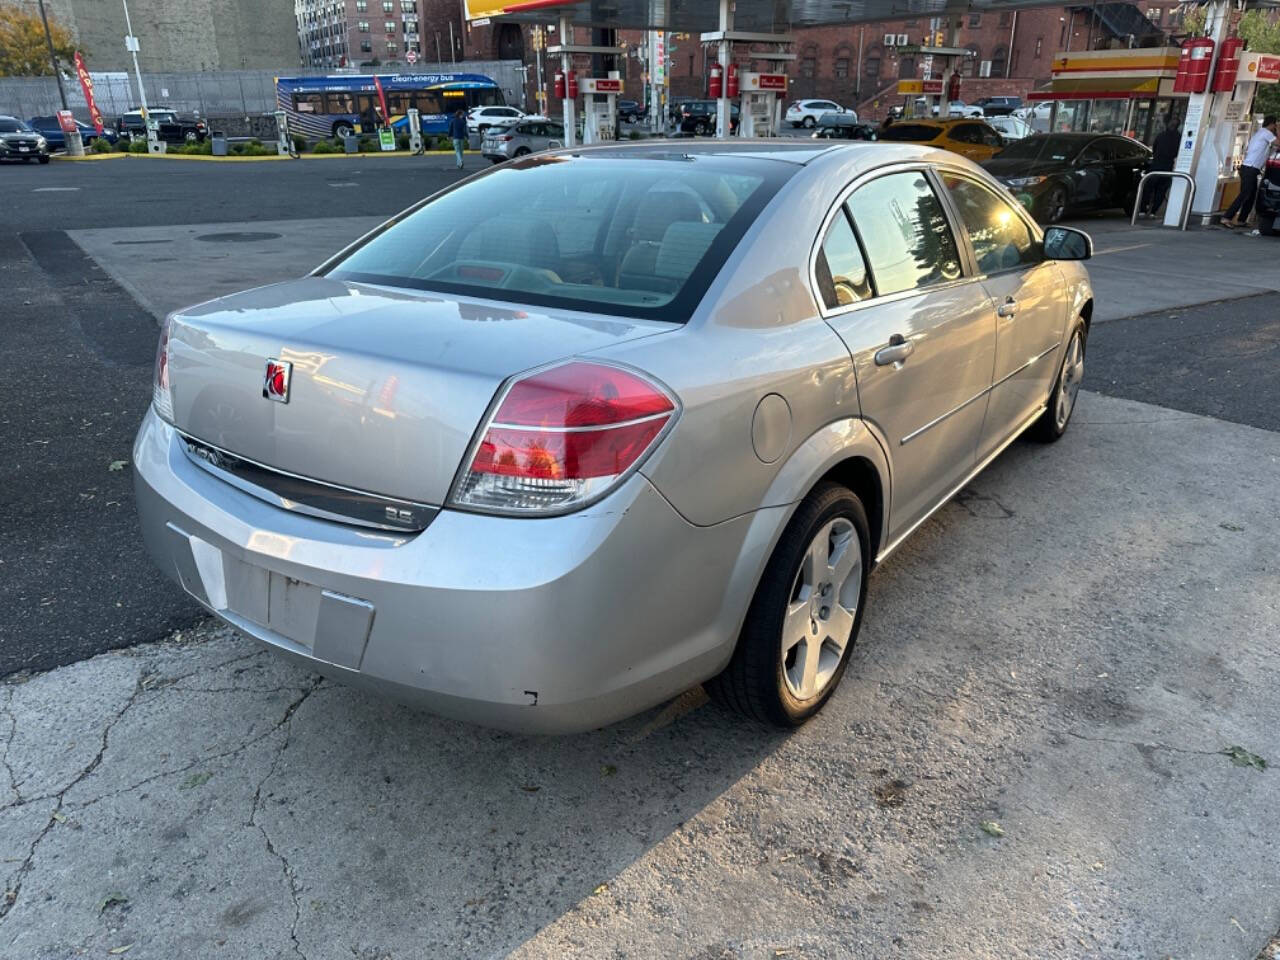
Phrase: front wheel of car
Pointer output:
(805, 615)
(1054, 204)
(699, 129)
(191, 136)
(1062, 398)
(44, 159)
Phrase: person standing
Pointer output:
(458, 133)
(1164, 151)
(1255, 161)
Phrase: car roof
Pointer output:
(798, 152)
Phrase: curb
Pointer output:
(89, 156)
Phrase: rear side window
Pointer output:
(1001, 239)
(908, 240)
(910, 133)
(620, 235)
(841, 270)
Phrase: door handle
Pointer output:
(1008, 308)
(898, 350)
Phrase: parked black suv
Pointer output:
(170, 128)
(699, 117)
(19, 142)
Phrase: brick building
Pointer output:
(340, 33)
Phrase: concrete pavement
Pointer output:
(1064, 651)
(1135, 270)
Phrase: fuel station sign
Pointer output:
(1258, 68)
(479, 9)
(926, 88)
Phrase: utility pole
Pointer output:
(53, 57)
(131, 44)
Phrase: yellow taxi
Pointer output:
(968, 136)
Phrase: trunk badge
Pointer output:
(275, 385)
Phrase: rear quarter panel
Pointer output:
(758, 332)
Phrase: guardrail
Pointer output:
(1187, 198)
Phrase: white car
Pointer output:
(480, 119)
(958, 108)
(1010, 127)
(807, 113)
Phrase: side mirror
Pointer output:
(1067, 243)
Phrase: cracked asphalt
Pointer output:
(1062, 654)
(1109, 631)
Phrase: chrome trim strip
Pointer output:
(884, 553)
(933, 423)
(316, 498)
(591, 429)
(1008, 376)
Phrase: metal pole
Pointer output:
(1013, 31)
(53, 57)
(453, 45)
(439, 62)
(137, 71)
(723, 111)
(568, 106)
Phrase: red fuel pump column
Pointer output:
(1224, 73)
(715, 82)
(571, 86)
(558, 86)
(953, 88)
(1193, 66)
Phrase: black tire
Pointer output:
(522, 151)
(1047, 429)
(44, 159)
(794, 124)
(810, 123)
(753, 684)
(1054, 204)
(700, 129)
(342, 130)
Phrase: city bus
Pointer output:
(336, 106)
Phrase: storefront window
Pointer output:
(1072, 116)
(1138, 125)
(1108, 116)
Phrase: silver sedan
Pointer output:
(587, 430)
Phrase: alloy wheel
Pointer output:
(1069, 382)
(820, 613)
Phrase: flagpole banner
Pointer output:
(86, 84)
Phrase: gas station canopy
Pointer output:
(765, 16)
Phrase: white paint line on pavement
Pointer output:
(1132, 246)
(344, 184)
(54, 189)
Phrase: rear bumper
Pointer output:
(552, 625)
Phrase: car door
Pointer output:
(1091, 176)
(922, 334)
(1026, 301)
(966, 139)
(1129, 160)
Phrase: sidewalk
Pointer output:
(1064, 651)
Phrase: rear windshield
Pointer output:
(910, 132)
(632, 236)
(1047, 147)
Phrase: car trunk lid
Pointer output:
(386, 388)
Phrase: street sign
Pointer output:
(411, 57)
(928, 88)
(66, 121)
(600, 85)
(387, 138)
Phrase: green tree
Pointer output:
(23, 51)
(1260, 30)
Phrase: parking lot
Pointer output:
(1026, 758)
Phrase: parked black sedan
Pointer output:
(1058, 173)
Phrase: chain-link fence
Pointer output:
(228, 93)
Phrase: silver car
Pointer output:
(584, 431)
(521, 138)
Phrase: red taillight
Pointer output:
(506, 138)
(562, 438)
(161, 396)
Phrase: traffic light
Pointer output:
(939, 38)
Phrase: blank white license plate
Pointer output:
(23, 149)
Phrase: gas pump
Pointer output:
(284, 144)
(415, 129)
(759, 105)
(600, 120)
